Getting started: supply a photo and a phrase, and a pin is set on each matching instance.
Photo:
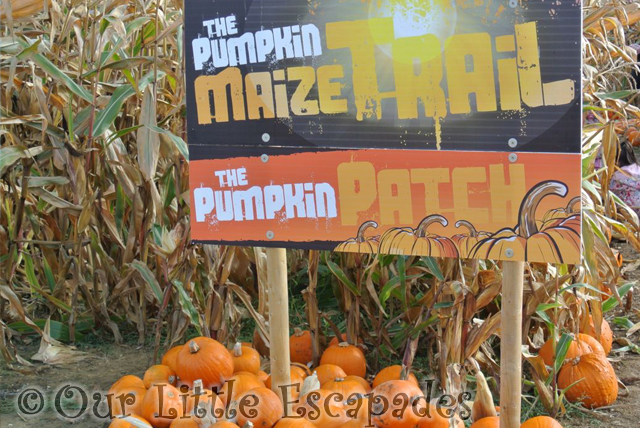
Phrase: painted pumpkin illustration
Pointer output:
(466, 241)
(555, 242)
(406, 240)
(360, 244)
(565, 212)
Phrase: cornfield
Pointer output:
(94, 220)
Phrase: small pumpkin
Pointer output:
(245, 359)
(597, 383)
(436, 419)
(582, 344)
(541, 422)
(301, 346)
(172, 405)
(490, 422)
(348, 357)
(573, 207)
(405, 402)
(557, 241)
(362, 381)
(343, 338)
(294, 423)
(418, 241)
(327, 372)
(262, 407)
(346, 388)
(223, 424)
(392, 373)
(297, 376)
(466, 241)
(159, 374)
(169, 358)
(322, 408)
(357, 407)
(263, 376)
(606, 335)
(131, 392)
(204, 403)
(361, 244)
(185, 422)
(122, 422)
(207, 359)
(238, 384)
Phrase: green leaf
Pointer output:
(432, 264)
(187, 306)
(179, 142)
(49, 68)
(616, 95)
(562, 348)
(612, 302)
(623, 322)
(105, 117)
(11, 154)
(57, 330)
(149, 278)
(46, 181)
(335, 269)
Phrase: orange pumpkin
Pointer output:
(597, 386)
(348, 357)
(206, 359)
(346, 388)
(169, 358)
(129, 391)
(582, 344)
(541, 422)
(405, 403)
(392, 373)
(327, 372)
(245, 359)
(185, 422)
(466, 241)
(203, 402)
(224, 424)
(294, 423)
(159, 374)
(260, 406)
(556, 241)
(297, 376)
(323, 408)
(406, 240)
(357, 407)
(563, 212)
(263, 376)
(437, 419)
(490, 422)
(343, 338)
(301, 346)
(360, 244)
(124, 423)
(362, 381)
(172, 405)
(606, 335)
(238, 384)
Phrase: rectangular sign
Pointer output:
(427, 127)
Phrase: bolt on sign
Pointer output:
(445, 128)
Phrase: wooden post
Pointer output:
(279, 322)
(511, 344)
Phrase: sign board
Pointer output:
(427, 127)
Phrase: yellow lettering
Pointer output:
(204, 85)
(262, 100)
(400, 202)
(503, 194)
(357, 190)
(299, 104)
(329, 89)
(431, 178)
(461, 177)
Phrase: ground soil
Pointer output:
(108, 362)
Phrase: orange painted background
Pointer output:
(399, 188)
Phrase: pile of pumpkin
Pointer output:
(173, 394)
(586, 371)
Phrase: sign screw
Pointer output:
(513, 157)
(508, 252)
(264, 158)
(513, 3)
(270, 234)
(513, 142)
(266, 137)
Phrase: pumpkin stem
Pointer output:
(363, 227)
(198, 386)
(237, 349)
(572, 202)
(527, 215)
(343, 344)
(472, 230)
(249, 424)
(193, 347)
(297, 332)
(404, 375)
(339, 379)
(421, 230)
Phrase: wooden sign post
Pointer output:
(511, 344)
(278, 293)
